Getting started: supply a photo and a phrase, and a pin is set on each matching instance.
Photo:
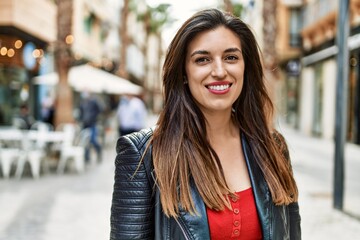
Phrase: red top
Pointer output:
(240, 223)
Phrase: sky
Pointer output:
(181, 10)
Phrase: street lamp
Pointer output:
(341, 101)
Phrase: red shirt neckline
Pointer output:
(242, 222)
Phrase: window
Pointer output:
(89, 22)
(295, 27)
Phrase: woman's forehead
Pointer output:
(217, 38)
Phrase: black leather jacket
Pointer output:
(136, 210)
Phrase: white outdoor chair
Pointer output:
(73, 148)
(10, 149)
(19, 123)
(34, 152)
(8, 156)
(70, 130)
(39, 125)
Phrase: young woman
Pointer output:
(213, 167)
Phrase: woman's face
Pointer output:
(215, 69)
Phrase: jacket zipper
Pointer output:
(177, 221)
(182, 229)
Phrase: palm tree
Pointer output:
(269, 46)
(124, 38)
(269, 31)
(154, 19)
(228, 6)
(63, 62)
(234, 8)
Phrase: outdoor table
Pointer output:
(31, 145)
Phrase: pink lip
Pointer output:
(219, 92)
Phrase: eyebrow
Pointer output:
(201, 52)
(204, 52)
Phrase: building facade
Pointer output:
(305, 89)
(28, 34)
(25, 34)
(320, 67)
(289, 50)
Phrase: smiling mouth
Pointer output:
(222, 87)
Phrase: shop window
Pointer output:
(318, 103)
(89, 21)
(13, 83)
(295, 27)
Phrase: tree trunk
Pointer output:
(228, 6)
(158, 83)
(269, 47)
(63, 60)
(124, 38)
(269, 33)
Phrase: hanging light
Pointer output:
(18, 44)
(10, 52)
(3, 51)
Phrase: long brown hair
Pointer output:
(182, 155)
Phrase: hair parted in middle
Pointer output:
(182, 154)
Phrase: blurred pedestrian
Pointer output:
(90, 110)
(2, 116)
(213, 167)
(131, 114)
(26, 118)
(47, 109)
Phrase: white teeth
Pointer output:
(219, 87)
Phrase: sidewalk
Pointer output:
(69, 206)
(77, 206)
(312, 160)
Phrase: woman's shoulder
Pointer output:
(134, 156)
(136, 141)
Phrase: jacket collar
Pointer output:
(198, 224)
(260, 188)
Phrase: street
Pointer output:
(77, 206)
(54, 207)
(313, 161)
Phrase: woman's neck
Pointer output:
(220, 127)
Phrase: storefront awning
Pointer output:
(88, 78)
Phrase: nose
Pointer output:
(218, 69)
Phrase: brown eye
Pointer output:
(202, 60)
(232, 58)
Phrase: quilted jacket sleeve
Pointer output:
(132, 201)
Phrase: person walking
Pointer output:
(90, 110)
(27, 120)
(48, 109)
(131, 114)
(213, 167)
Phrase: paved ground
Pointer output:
(312, 160)
(73, 207)
(66, 207)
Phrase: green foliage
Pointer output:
(156, 17)
(238, 9)
(159, 17)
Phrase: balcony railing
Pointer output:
(316, 10)
(37, 18)
(292, 3)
